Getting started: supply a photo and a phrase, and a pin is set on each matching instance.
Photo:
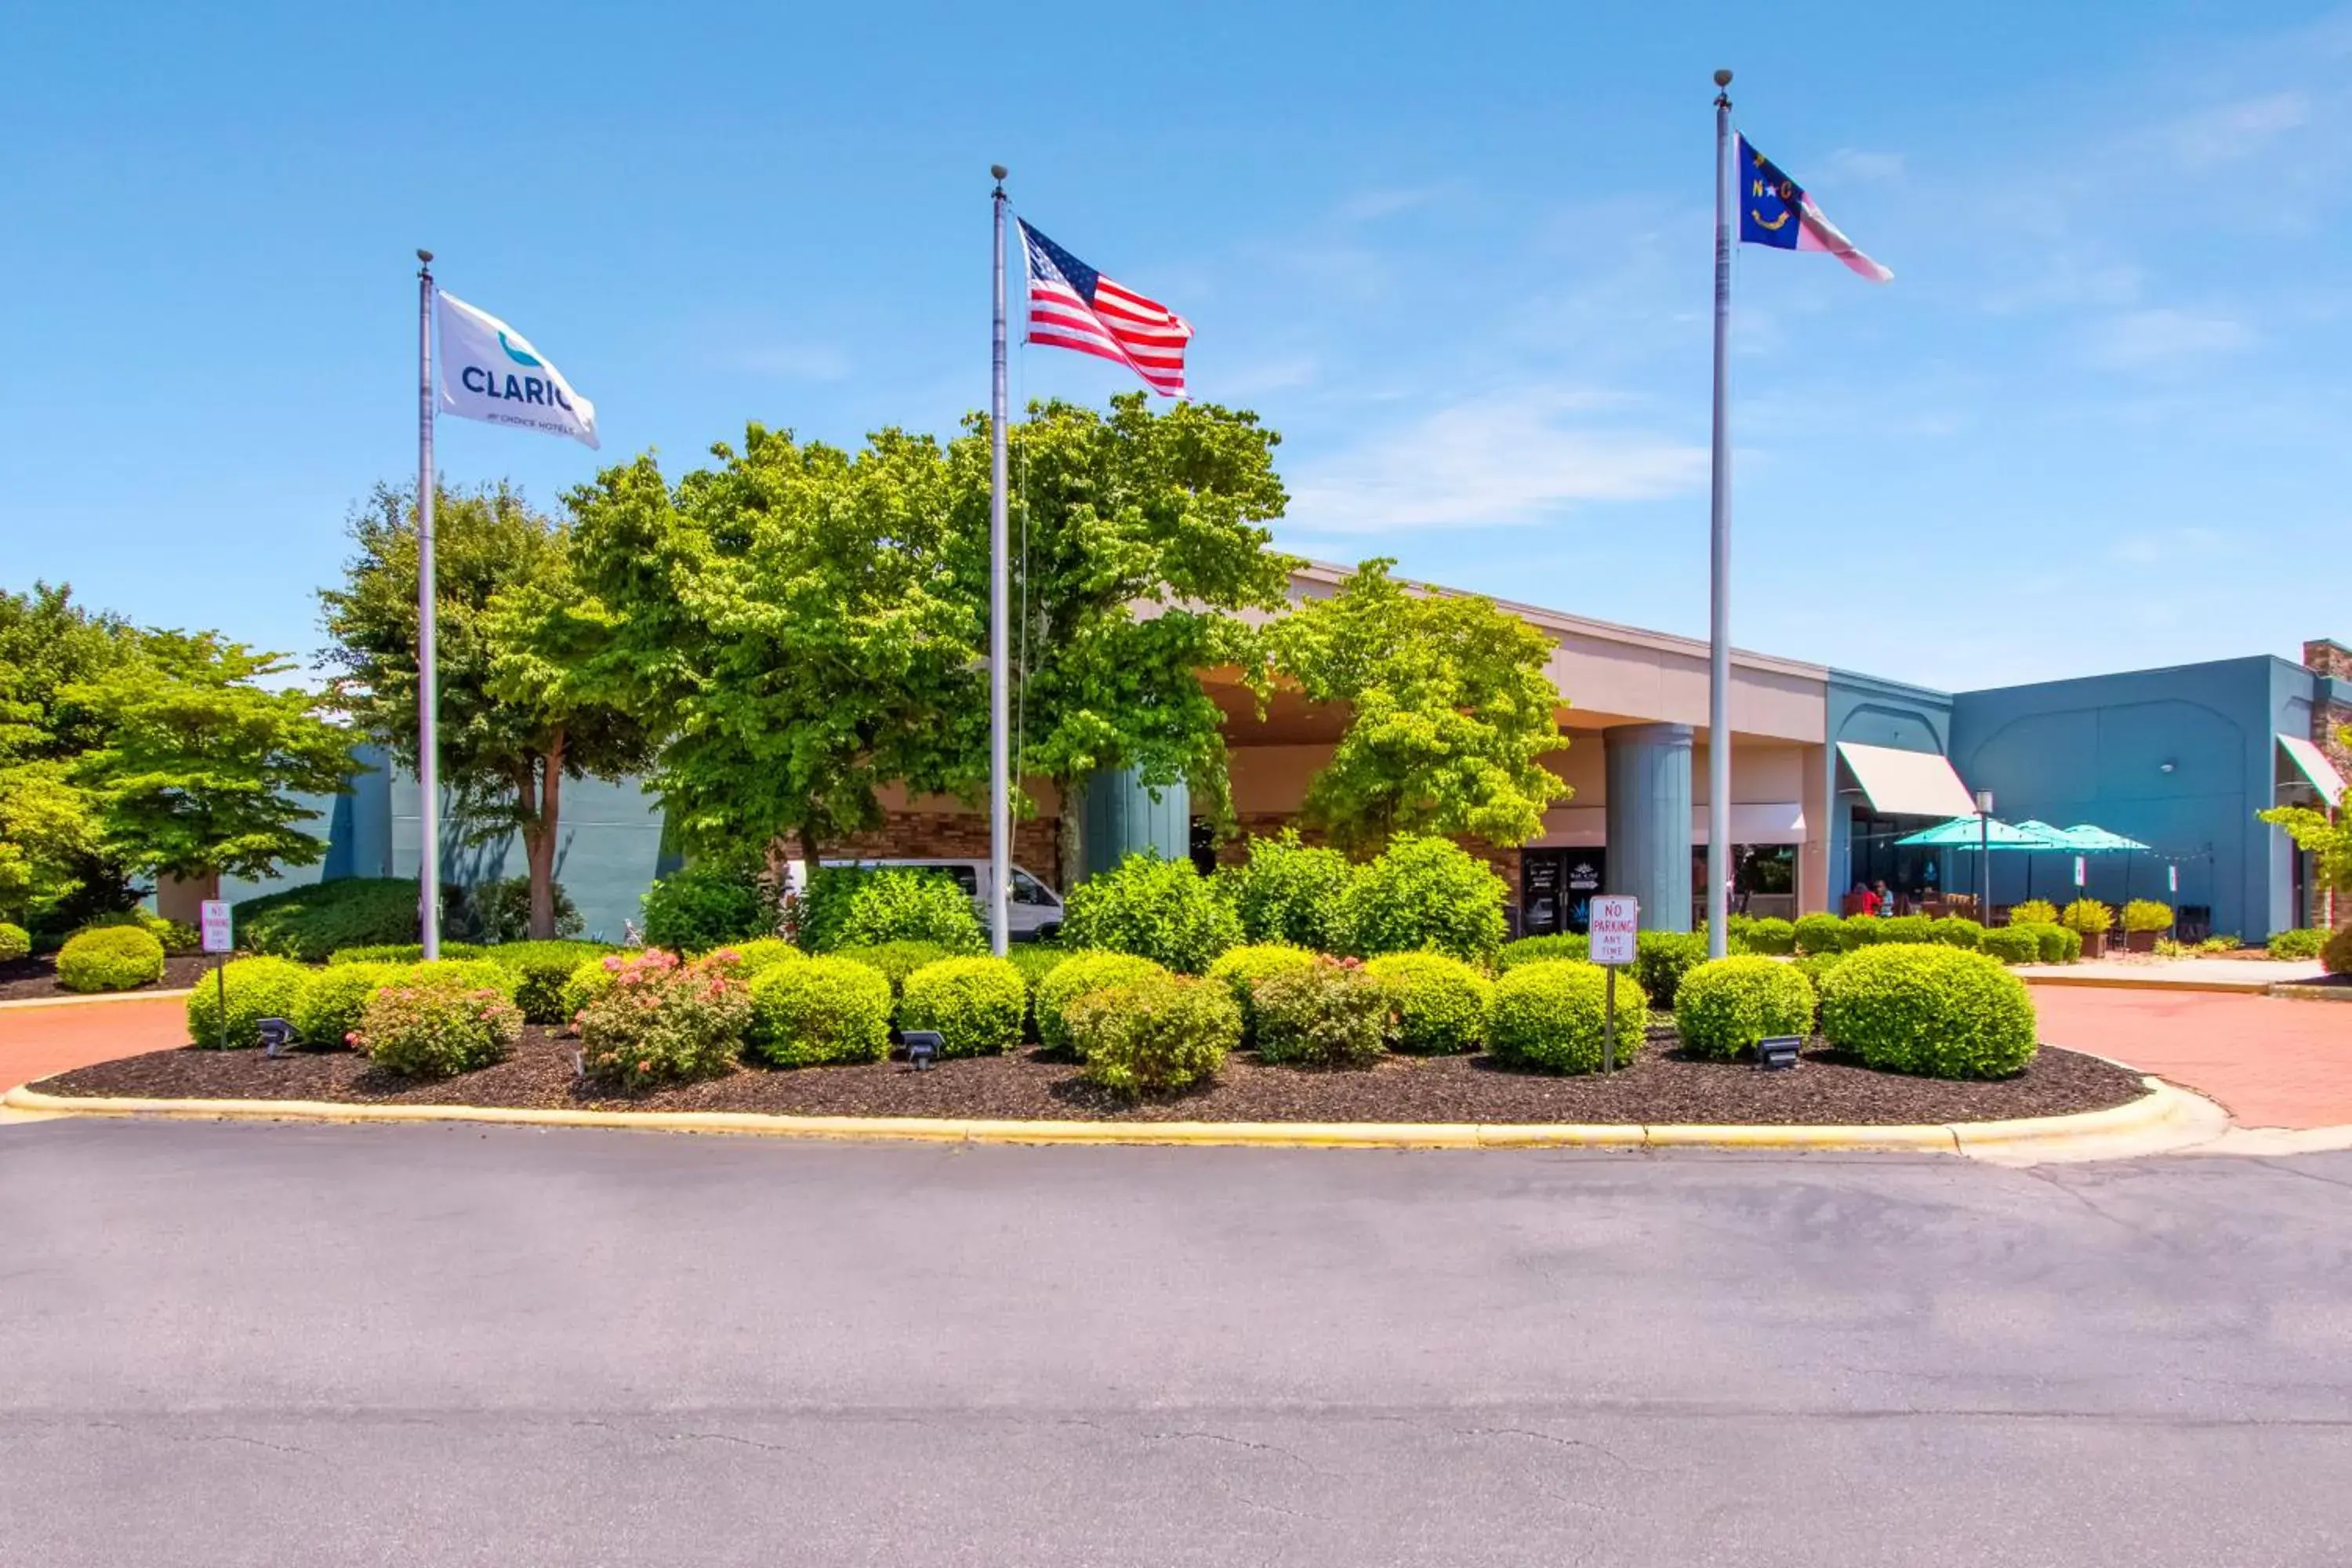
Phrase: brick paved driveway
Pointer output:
(2273, 1063)
(38, 1041)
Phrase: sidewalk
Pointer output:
(2251, 975)
(2271, 1062)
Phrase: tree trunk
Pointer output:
(539, 841)
(808, 850)
(1070, 832)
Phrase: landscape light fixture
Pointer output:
(277, 1034)
(923, 1048)
(1777, 1053)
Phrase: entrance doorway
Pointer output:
(1557, 888)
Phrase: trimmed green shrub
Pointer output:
(1288, 893)
(1661, 959)
(1543, 949)
(1815, 967)
(708, 904)
(1439, 1005)
(2145, 914)
(313, 922)
(2012, 944)
(895, 960)
(1907, 928)
(1726, 1005)
(402, 953)
(16, 941)
(1819, 932)
(1154, 1035)
(257, 988)
(175, 936)
(1153, 908)
(2304, 941)
(977, 1005)
(588, 979)
(2033, 912)
(1548, 1016)
(663, 1021)
(2219, 942)
(1770, 935)
(1859, 932)
(499, 912)
(2053, 943)
(1239, 969)
(437, 1030)
(1933, 1011)
(472, 974)
(1037, 960)
(541, 971)
(2336, 953)
(2087, 916)
(1080, 975)
(328, 1007)
(758, 956)
(112, 958)
(829, 1009)
(851, 906)
(1328, 1014)
(1956, 931)
(1425, 894)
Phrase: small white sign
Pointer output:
(2078, 870)
(218, 938)
(1615, 920)
(2172, 878)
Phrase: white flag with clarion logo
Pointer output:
(490, 370)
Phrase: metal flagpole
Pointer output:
(428, 768)
(1000, 787)
(1718, 652)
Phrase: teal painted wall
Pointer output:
(1124, 815)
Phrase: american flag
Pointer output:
(1072, 306)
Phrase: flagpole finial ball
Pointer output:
(996, 171)
(425, 257)
(1723, 78)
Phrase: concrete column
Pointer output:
(1813, 889)
(1649, 820)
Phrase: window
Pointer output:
(1027, 890)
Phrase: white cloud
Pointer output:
(1505, 458)
(2239, 130)
(2161, 338)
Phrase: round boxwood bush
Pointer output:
(1440, 1005)
(1156, 909)
(2053, 943)
(829, 1009)
(1933, 1011)
(112, 958)
(1548, 1016)
(895, 960)
(1815, 967)
(1726, 1005)
(1957, 930)
(1661, 959)
(1328, 1014)
(327, 1009)
(1819, 932)
(16, 941)
(1907, 928)
(1155, 1035)
(438, 1029)
(257, 988)
(1859, 932)
(1542, 949)
(708, 904)
(1080, 975)
(977, 1005)
(1037, 960)
(1239, 969)
(466, 974)
(2304, 941)
(759, 955)
(2012, 944)
(176, 936)
(541, 971)
(1425, 893)
(1768, 934)
(1288, 893)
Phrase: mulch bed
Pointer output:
(35, 979)
(1662, 1085)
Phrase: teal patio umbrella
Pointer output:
(1984, 834)
(2089, 838)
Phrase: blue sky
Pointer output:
(1458, 255)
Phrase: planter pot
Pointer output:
(2140, 940)
(2094, 944)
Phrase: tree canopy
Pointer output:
(53, 866)
(1138, 538)
(521, 649)
(1450, 711)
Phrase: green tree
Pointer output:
(1138, 539)
(195, 775)
(793, 619)
(1450, 711)
(2325, 834)
(520, 645)
(54, 869)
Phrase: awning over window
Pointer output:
(1907, 784)
(2312, 765)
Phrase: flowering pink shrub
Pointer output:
(664, 1021)
(437, 1030)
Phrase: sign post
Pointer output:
(219, 940)
(1615, 922)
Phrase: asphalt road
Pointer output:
(243, 1344)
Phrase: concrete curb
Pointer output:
(2124, 982)
(93, 1001)
(2299, 990)
(2165, 1118)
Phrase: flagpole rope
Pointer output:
(1021, 493)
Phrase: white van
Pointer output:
(1034, 912)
